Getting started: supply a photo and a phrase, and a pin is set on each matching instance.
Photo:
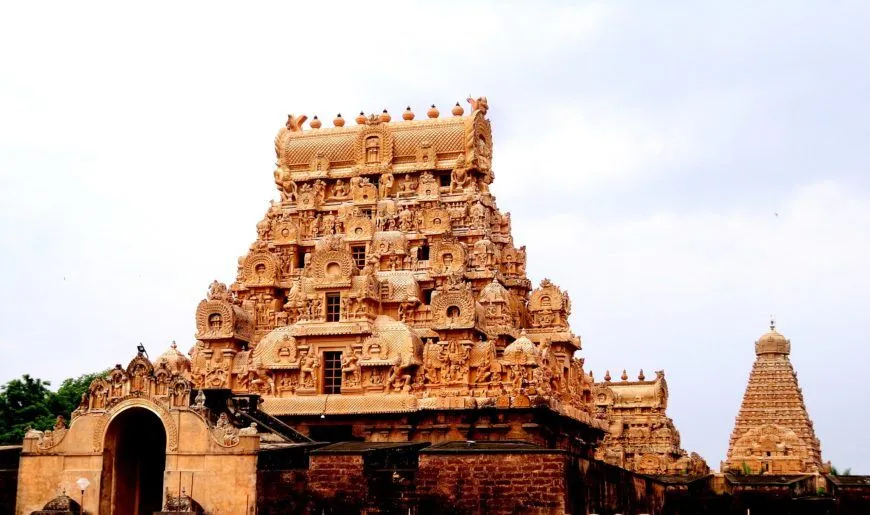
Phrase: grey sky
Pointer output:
(642, 148)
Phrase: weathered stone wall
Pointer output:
(596, 487)
(338, 479)
(282, 492)
(542, 481)
(492, 483)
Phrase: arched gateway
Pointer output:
(142, 445)
(134, 459)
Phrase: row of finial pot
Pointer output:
(385, 117)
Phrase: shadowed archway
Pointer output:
(134, 458)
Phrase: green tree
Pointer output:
(29, 403)
(23, 405)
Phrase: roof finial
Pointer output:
(174, 345)
(640, 376)
(772, 323)
(624, 375)
(607, 375)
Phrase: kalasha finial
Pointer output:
(772, 323)
(433, 112)
(174, 345)
(361, 119)
(385, 116)
(315, 123)
(607, 376)
(457, 110)
(641, 377)
(338, 121)
(624, 375)
(408, 115)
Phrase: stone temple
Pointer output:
(382, 350)
(773, 432)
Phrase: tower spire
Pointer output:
(773, 433)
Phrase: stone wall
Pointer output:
(338, 479)
(281, 492)
(492, 482)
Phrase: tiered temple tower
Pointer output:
(641, 437)
(773, 433)
(386, 281)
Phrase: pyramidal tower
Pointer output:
(773, 433)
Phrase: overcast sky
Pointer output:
(683, 169)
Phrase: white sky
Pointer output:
(683, 169)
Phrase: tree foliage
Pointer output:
(29, 403)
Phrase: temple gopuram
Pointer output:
(382, 350)
(386, 282)
(773, 433)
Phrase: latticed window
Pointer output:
(359, 255)
(333, 307)
(332, 372)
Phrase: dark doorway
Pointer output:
(134, 457)
(332, 433)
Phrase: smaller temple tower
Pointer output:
(641, 437)
(773, 433)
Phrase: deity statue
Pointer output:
(286, 185)
(385, 185)
(339, 191)
(406, 219)
(350, 369)
(319, 191)
(459, 178)
(308, 370)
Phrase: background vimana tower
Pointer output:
(385, 281)
(773, 433)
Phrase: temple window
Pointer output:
(333, 307)
(453, 313)
(332, 372)
(214, 322)
(427, 296)
(545, 302)
(367, 212)
(300, 259)
(444, 180)
(423, 253)
(359, 255)
(373, 150)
